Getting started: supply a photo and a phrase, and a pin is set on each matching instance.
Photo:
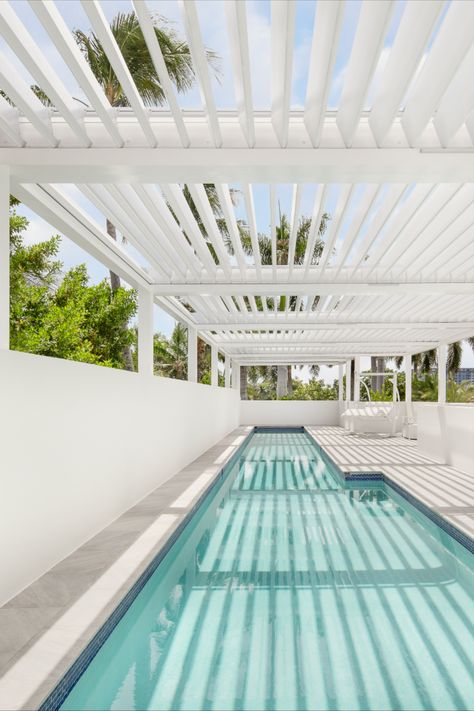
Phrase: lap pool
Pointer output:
(289, 590)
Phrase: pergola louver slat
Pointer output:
(144, 18)
(368, 42)
(59, 32)
(9, 122)
(198, 54)
(239, 47)
(26, 49)
(283, 31)
(102, 29)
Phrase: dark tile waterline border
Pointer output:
(60, 692)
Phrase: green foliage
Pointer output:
(61, 315)
(313, 390)
(171, 355)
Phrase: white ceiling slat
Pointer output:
(113, 208)
(295, 209)
(174, 196)
(9, 123)
(225, 202)
(168, 226)
(425, 216)
(239, 50)
(318, 211)
(327, 26)
(457, 102)
(345, 197)
(250, 209)
(26, 49)
(283, 15)
(20, 93)
(200, 65)
(451, 45)
(201, 202)
(373, 22)
(52, 21)
(273, 227)
(102, 29)
(148, 29)
(416, 25)
(361, 214)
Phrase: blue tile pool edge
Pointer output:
(462, 538)
(61, 690)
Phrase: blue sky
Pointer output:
(212, 20)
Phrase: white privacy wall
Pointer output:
(289, 412)
(446, 432)
(80, 444)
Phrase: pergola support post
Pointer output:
(408, 393)
(145, 332)
(4, 257)
(357, 379)
(192, 355)
(227, 371)
(348, 380)
(214, 366)
(442, 361)
(236, 375)
(341, 383)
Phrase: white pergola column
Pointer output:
(235, 375)
(408, 377)
(348, 380)
(4, 257)
(227, 371)
(394, 388)
(340, 383)
(145, 332)
(192, 355)
(357, 379)
(214, 366)
(442, 360)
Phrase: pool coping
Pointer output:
(455, 532)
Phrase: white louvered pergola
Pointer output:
(393, 164)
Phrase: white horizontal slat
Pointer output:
(368, 42)
(295, 209)
(283, 31)
(416, 25)
(200, 65)
(345, 197)
(9, 122)
(273, 227)
(225, 202)
(363, 209)
(62, 37)
(451, 45)
(148, 29)
(26, 49)
(239, 49)
(327, 26)
(102, 29)
(318, 211)
(20, 93)
(457, 102)
(250, 209)
(201, 202)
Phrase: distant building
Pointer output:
(464, 374)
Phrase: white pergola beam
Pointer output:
(192, 355)
(321, 289)
(283, 15)
(145, 332)
(275, 324)
(239, 49)
(212, 165)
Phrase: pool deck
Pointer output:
(45, 627)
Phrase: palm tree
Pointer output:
(170, 356)
(127, 32)
(427, 361)
(283, 231)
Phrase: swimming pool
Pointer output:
(289, 591)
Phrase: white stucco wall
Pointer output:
(289, 412)
(80, 444)
(446, 433)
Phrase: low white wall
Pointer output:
(80, 444)
(289, 412)
(446, 433)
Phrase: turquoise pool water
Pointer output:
(288, 591)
